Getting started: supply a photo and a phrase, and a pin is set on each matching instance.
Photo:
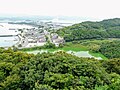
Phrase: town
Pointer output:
(39, 36)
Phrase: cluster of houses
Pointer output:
(34, 37)
(57, 40)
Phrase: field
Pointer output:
(76, 47)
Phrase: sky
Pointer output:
(99, 9)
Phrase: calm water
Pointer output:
(84, 54)
(8, 41)
(4, 30)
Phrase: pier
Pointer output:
(8, 35)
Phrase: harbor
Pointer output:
(9, 34)
(26, 36)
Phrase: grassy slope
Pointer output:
(98, 55)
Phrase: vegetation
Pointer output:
(111, 49)
(69, 46)
(59, 71)
(98, 48)
(106, 29)
(108, 48)
(46, 46)
(92, 30)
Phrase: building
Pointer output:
(58, 41)
(54, 36)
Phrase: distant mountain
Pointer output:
(38, 18)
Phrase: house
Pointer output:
(32, 41)
(58, 41)
(54, 36)
(42, 40)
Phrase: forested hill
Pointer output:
(58, 71)
(92, 30)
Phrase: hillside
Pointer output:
(92, 30)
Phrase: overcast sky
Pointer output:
(83, 8)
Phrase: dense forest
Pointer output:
(59, 71)
(92, 30)
(111, 49)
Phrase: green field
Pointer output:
(98, 55)
(70, 46)
(74, 47)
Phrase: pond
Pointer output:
(84, 54)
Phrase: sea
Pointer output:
(10, 29)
